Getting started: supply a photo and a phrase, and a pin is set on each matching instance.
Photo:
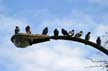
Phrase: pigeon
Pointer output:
(98, 41)
(45, 31)
(56, 32)
(17, 30)
(87, 36)
(78, 35)
(64, 32)
(28, 31)
(71, 33)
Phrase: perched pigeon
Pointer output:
(98, 41)
(87, 36)
(56, 32)
(45, 31)
(17, 30)
(64, 32)
(28, 31)
(71, 33)
(78, 35)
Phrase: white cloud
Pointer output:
(50, 56)
(101, 29)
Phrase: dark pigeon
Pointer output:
(87, 36)
(98, 41)
(56, 32)
(45, 31)
(64, 32)
(17, 30)
(78, 35)
(28, 31)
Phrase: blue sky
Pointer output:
(85, 15)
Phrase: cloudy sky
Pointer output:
(85, 15)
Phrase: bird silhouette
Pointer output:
(71, 33)
(98, 41)
(28, 31)
(64, 32)
(56, 32)
(78, 35)
(45, 31)
(17, 30)
(87, 36)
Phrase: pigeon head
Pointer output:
(72, 30)
(81, 31)
(17, 27)
(89, 32)
(28, 27)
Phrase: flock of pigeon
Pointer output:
(64, 32)
(27, 29)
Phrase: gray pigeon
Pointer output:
(78, 35)
(17, 30)
(71, 33)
